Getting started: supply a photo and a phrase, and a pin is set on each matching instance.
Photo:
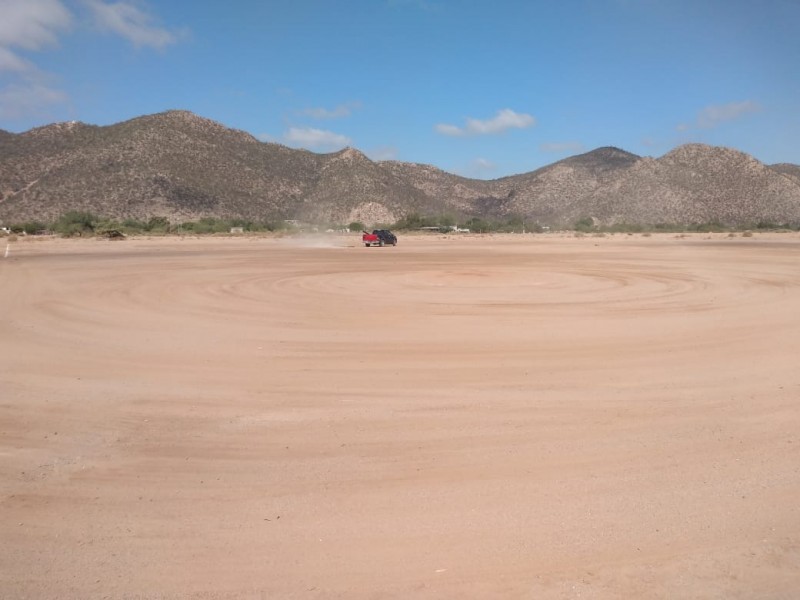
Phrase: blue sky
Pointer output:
(479, 88)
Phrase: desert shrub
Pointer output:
(584, 224)
(512, 224)
(710, 227)
(133, 226)
(446, 221)
(535, 228)
(74, 223)
(28, 227)
(356, 226)
(268, 226)
(414, 220)
(623, 228)
(478, 225)
(157, 225)
(668, 227)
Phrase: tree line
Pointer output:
(84, 223)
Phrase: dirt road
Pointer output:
(517, 417)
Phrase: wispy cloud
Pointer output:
(311, 138)
(383, 153)
(23, 99)
(503, 121)
(131, 22)
(9, 61)
(483, 164)
(338, 112)
(29, 26)
(479, 168)
(32, 24)
(711, 116)
(561, 147)
(715, 115)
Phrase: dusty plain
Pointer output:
(530, 416)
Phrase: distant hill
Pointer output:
(788, 170)
(182, 166)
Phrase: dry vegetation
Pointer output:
(183, 167)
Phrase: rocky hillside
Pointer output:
(184, 167)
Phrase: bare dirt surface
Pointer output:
(517, 417)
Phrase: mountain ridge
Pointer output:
(183, 166)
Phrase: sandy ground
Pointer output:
(509, 416)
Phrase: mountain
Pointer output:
(696, 183)
(788, 170)
(561, 192)
(182, 166)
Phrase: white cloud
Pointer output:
(308, 137)
(29, 25)
(715, 115)
(504, 120)
(11, 62)
(480, 167)
(383, 153)
(32, 24)
(711, 116)
(20, 100)
(483, 164)
(446, 129)
(343, 110)
(131, 22)
(559, 147)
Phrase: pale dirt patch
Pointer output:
(459, 416)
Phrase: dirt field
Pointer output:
(484, 417)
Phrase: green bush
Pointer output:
(29, 227)
(76, 222)
(133, 226)
(478, 225)
(414, 220)
(158, 225)
(584, 224)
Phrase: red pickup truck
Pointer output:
(379, 237)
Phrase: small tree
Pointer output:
(478, 225)
(584, 224)
(75, 222)
(356, 226)
(158, 224)
(414, 220)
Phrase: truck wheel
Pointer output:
(380, 243)
(366, 245)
